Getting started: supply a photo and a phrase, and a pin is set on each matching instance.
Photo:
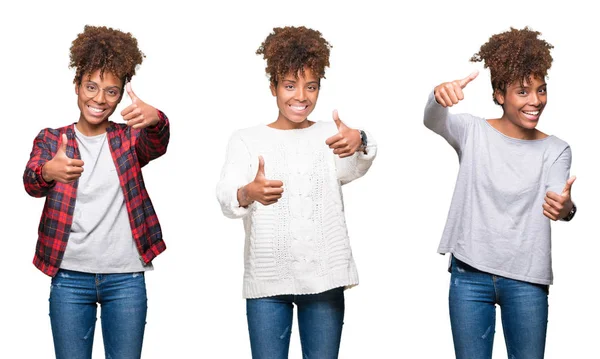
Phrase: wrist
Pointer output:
(45, 176)
(571, 213)
(244, 199)
(363, 141)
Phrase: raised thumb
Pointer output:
(567, 189)
(261, 166)
(63, 144)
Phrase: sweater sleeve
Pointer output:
(234, 175)
(559, 172)
(451, 127)
(350, 168)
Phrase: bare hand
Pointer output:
(450, 93)
(62, 168)
(139, 114)
(558, 206)
(261, 189)
(346, 142)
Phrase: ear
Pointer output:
(499, 96)
(273, 89)
(76, 89)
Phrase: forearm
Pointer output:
(152, 141)
(34, 182)
(232, 201)
(435, 115)
(351, 168)
(33, 177)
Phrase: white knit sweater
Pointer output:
(300, 244)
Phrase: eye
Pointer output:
(289, 87)
(542, 90)
(113, 92)
(91, 87)
(312, 88)
(522, 92)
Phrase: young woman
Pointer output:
(513, 179)
(98, 232)
(284, 179)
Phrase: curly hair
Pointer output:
(291, 49)
(105, 49)
(514, 55)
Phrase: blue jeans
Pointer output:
(320, 320)
(473, 298)
(73, 300)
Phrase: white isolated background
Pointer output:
(201, 70)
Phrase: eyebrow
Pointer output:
(294, 81)
(528, 87)
(109, 86)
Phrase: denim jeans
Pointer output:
(73, 301)
(320, 320)
(473, 298)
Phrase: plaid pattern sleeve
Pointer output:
(57, 216)
(151, 142)
(41, 153)
(131, 149)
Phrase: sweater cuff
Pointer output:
(234, 208)
(371, 149)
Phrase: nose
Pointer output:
(300, 94)
(534, 99)
(100, 96)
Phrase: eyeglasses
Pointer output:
(91, 89)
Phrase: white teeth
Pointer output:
(93, 109)
(299, 108)
(532, 113)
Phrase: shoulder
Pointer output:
(470, 119)
(559, 148)
(467, 123)
(249, 135)
(557, 143)
(54, 134)
(118, 126)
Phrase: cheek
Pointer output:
(282, 101)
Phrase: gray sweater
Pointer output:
(496, 222)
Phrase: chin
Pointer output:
(296, 119)
(529, 126)
(96, 121)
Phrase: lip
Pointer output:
(96, 111)
(299, 109)
(532, 115)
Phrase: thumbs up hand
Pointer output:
(61, 168)
(261, 189)
(139, 114)
(346, 142)
(558, 206)
(448, 94)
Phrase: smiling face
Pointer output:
(523, 105)
(97, 98)
(296, 99)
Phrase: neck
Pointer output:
(509, 129)
(283, 123)
(88, 129)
